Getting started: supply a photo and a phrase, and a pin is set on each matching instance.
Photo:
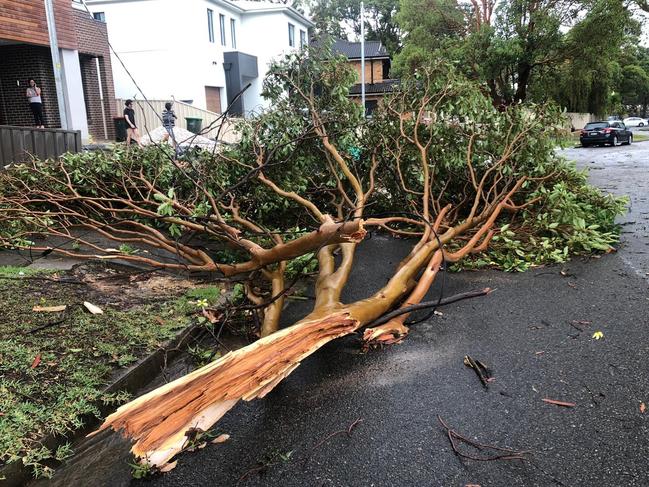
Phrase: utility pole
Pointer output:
(363, 57)
(56, 62)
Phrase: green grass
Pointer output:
(51, 379)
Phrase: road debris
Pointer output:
(497, 452)
(481, 370)
(559, 403)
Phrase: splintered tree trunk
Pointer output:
(159, 420)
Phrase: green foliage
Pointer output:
(572, 218)
(565, 50)
(202, 355)
(141, 470)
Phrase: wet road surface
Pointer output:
(534, 332)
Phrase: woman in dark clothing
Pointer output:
(36, 103)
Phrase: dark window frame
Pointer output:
(210, 25)
(303, 41)
(99, 16)
(222, 28)
(291, 35)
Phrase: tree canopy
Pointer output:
(523, 50)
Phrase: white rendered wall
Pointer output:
(165, 46)
(265, 35)
(75, 108)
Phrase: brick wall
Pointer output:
(92, 41)
(17, 64)
(25, 21)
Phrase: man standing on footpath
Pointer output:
(131, 129)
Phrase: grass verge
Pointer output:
(53, 378)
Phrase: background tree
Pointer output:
(521, 49)
(341, 19)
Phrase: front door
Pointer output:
(213, 98)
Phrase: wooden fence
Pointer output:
(148, 118)
(18, 144)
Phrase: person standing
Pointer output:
(131, 129)
(169, 122)
(36, 103)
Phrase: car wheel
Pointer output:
(641, 124)
(615, 142)
(630, 141)
(585, 145)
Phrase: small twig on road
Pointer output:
(347, 431)
(480, 369)
(454, 436)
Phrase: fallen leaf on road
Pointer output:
(559, 403)
(95, 310)
(643, 408)
(169, 466)
(37, 360)
(597, 335)
(221, 438)
(49, 309)
(540, 353)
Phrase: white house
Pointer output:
(199, 51)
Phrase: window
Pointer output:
(302, 38)
(100, 16)
(210, 25)
(291, 35)
(233, 33)
(222, 26)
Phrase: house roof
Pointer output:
(380, 88)
(262, 7)
(373, 49)
(240, 6)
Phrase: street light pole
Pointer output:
(56, 62)
(363, 57)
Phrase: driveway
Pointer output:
(534, 332)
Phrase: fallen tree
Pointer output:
(437, 164)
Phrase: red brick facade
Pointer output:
(92, 41)
(18, 62)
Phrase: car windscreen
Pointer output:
(596, 126)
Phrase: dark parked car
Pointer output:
(601, 133)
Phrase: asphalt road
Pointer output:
(535, 333)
